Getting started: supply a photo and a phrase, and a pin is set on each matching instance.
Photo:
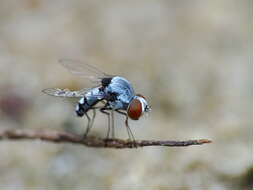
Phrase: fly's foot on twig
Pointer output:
(132, 143)
(85, 135)
(108, 141)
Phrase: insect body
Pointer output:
(115, 92)
(90, 99)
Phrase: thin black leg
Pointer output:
(103, 110)
(112, 118)
(88, 125)
(90, 122)
(129, 132)
(93, 117)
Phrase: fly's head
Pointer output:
(137, 107)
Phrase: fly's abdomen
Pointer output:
(90, 99)
(85, 104)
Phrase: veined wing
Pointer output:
(66, 93)
(84, 69)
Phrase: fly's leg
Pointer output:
(103, 110)
(129, 132)
(93, 117)
(112, 118)
(88, 125)
(90, 122)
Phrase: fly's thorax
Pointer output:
(122, 92)
(137, 107)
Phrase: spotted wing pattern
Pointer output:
(65, 92)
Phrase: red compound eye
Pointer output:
(134, 110)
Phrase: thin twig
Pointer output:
(66, 137)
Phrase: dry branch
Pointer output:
(66, 137)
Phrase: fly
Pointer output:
(114, 92)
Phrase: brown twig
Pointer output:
(66, 137)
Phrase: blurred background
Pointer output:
(191, 59)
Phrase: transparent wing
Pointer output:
(83, 69)
(66, 93)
